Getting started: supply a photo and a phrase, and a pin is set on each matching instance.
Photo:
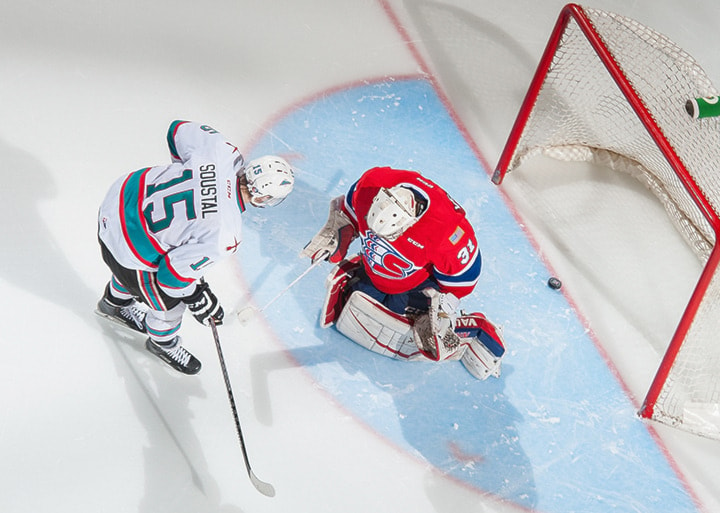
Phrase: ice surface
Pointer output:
(90, 422)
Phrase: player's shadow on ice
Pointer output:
(467, 429)
(161, 398)
(32, 258)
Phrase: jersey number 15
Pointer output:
(168, 202)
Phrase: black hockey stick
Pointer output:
(262, 486)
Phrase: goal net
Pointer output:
(612, 91)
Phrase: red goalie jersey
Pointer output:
(441, 244)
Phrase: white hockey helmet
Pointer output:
(269, 179)
(392, 212)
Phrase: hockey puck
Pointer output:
(554, 283)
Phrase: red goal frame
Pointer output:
(574, 12)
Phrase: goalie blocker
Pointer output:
(475, 341)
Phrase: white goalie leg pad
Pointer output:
(336, 284)
(480, 360)
(370, 324)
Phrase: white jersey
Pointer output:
(177, 220)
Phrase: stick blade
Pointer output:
(264, 488)
(245, 315)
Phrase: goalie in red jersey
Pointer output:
(419, 256)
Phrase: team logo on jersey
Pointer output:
(384, 259)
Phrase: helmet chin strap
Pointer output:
(268, 202)
(245, 192)
(248, 198)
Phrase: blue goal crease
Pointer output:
(556, 432)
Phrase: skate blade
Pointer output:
(116, 322)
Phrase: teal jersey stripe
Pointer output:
(143, 246)
(171, 137)
(137, 236)
(163, 333)
(170, 278)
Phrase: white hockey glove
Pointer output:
(203, 304)
(333, 239)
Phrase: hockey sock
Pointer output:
(117, 293)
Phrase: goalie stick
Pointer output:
(261, 486)
(245, 314)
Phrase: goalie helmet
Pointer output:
(269, 179)
(392, 212)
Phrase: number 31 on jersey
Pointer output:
(465, 253)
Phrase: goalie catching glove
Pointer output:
(204, 305)
(333, 239)
(446, 305)
(434, 331)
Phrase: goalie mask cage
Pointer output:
(612, 91)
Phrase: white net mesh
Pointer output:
(581, 113)
(690, 396)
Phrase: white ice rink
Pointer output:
(89, 422)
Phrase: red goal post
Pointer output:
(612, 91)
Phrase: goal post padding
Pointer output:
(612, 91)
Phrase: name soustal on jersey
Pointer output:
(176, 220)
(441, 244)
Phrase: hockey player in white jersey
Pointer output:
(160, 228)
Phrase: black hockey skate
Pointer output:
(175, 355)
(126, 313)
